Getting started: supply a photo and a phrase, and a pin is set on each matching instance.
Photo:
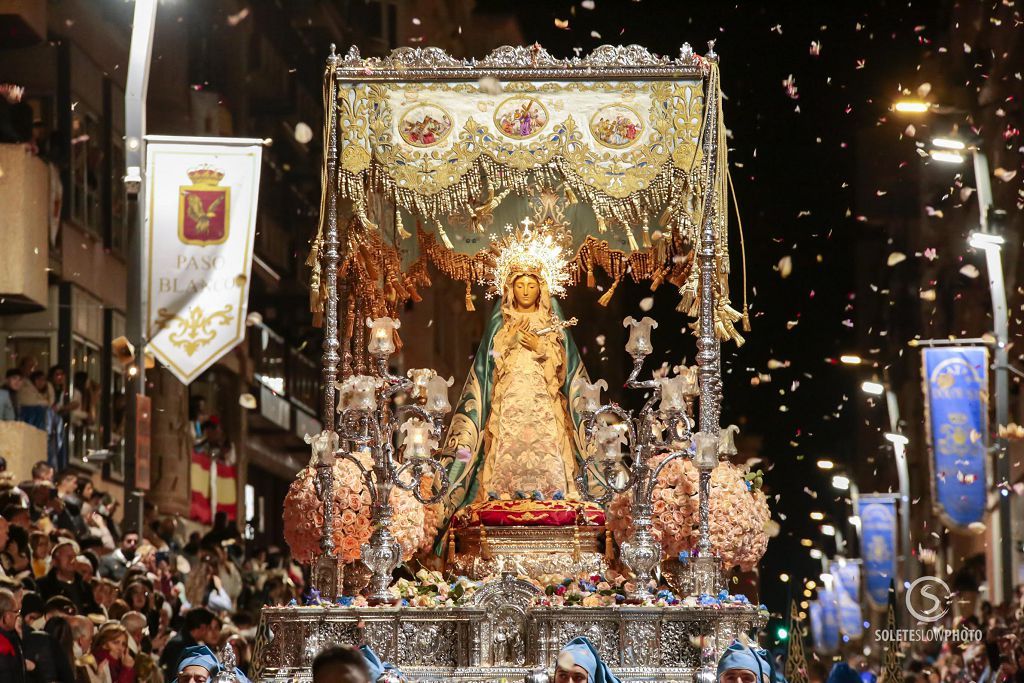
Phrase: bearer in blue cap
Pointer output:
(379, 671)
(743, 664)
(579, 662)
(198, 664)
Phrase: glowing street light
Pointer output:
(946, 157)
(840, 482)
(873, 388)
(897, 439)
(828, 530)
(817, 516)
(986, 240)
(911, 106)
(949, 143)
(825, 464)
(850, 359)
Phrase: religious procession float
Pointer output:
(471, 542)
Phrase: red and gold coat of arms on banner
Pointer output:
(203, 208)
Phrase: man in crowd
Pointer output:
(115, 565)
(42, 473)
(341, 664)
(13, 667)
(62, 579)
(580, 662)
(9, 395)
(202, 627)
(744, 664)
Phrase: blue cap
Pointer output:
(581, 652)
(375, 665)
(843, 673)
(740, 657)
(200, 655)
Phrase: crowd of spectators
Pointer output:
(84, 601)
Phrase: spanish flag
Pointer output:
(225, 490)
(199, 509)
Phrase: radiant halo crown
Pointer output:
(539, 250)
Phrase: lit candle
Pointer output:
(382, 336)
(437, 395)
(639, 343)
(588, 396)
(416, 438)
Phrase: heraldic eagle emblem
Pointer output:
(203, 208)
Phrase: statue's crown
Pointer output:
(535, 250)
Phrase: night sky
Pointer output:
(801, 79)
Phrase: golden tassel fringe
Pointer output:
(606, 298)
(469, 297)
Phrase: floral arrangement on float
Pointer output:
(739, 515)
(429, 589)
(414, 524)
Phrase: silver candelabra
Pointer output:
(370, 423)
(663, 425)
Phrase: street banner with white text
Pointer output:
(201, 196)
(956, 416)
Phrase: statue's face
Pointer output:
(526, 291)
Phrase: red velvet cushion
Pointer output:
(528, 513)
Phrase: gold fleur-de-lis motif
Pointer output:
(193, 331)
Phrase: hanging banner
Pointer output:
(201, 196)
(878, 545)
(817, 626)
(956, 414)
(829, 619)
(846, 574)
(846, 580)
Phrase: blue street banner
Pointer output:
(817, 626)
(878, 545)
(956, 415)
(851, 618)
(847, 577)
(829, 619)
(846, 580)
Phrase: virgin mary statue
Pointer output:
(515, 431)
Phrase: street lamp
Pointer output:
(850, 359)
(825, 464)
(873, 388)
(1004, 564)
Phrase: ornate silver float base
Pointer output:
(500, 637)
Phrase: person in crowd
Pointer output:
(17, 558)
(51, 662)
(62, 579)
(110, 649)
(115, 565)
(198, 664)
(202, 627)
(13, 667)
(35, 399)
(843, 673)
(580, 662)
(9, 394)
(341, 664)
(83, 631)
(744, 664)
(42, 473)
(39, 543)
